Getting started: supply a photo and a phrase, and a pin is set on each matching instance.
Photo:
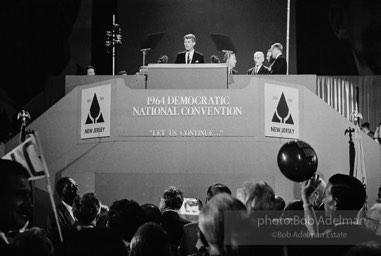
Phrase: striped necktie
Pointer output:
(188, 58)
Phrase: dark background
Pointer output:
(44, 40)
(252, 26)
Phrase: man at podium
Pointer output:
(189, 56)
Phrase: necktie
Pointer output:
(188, 58)
(256, 70)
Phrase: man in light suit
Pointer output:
(189, 56)
(279, 65)
(258, 69)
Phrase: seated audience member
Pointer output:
(292, 209)
(212, 226)
(231, 60)
(96, 242)
(280, 204)
(244, 192)
(262, 198)
(366, 130)
(259, 68)
(33, 241)
(171, 202)
(188, 243)
(124, 218)
(103, 217)
(295, 213)
(189, 56)
(67, 190)
(15, 201)
(214, 59)
(150, 240)
(189, 240)
(151, 213)
(90, 71)
(279, 65)
(86, 210)
(216, 189)
(344, 198)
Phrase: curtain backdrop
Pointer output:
(347, 93)
(370, 99)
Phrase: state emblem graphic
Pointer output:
(95, 112)
(95, 115)
(281, 111)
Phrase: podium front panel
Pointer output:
(187, 76)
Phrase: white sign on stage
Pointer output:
(281, 111)
(95, 112)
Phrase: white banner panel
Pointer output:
(29, 155)
(281, 111)
(95, 112)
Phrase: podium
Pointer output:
(187, 76)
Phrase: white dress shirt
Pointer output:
(69, 208)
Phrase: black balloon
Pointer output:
(297, 160)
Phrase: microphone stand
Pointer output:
(144, 51)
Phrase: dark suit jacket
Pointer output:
(189, 239)
(354, 234)
(279, 66)
(64, 219)
(6, 249)
(197, 57)
(262, 71)
(173, 224)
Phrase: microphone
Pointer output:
(214, 59)
(163, 59)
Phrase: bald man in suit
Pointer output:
(259, 68)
